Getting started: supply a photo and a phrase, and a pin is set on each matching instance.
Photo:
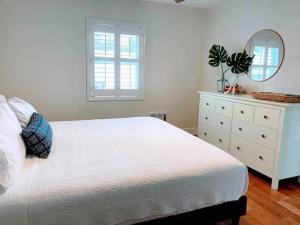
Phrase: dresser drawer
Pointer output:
(207, 118)
(207, 133)
(215, 137)
(216, 120)
(208, 103)
(267, 117)
(222, 140)
(222, 123)
(254, 155)
(239, 149)
(260, 135)
(224, 107)
(243, 112)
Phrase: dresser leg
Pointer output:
(275, 184)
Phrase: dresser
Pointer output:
(262, 134)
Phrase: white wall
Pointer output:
(42, 57)
(233, 23)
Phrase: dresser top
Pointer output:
(247, 97)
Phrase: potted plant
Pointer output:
(237, 63)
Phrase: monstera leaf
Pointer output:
(217, 55)
(239, 62)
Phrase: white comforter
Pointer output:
(120, 171)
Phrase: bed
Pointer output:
(124, 171)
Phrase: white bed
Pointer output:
(121, 171)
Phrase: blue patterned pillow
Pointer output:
(37, 136)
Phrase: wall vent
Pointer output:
(158, 115)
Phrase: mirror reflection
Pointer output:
(268, 48)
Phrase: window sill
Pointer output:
(102, 98)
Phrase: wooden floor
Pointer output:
(269, 207)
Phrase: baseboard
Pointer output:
(193, 131)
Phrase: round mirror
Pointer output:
(268, 50)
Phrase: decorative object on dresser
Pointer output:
(277, 97)
(235, 89)
(237, 63)
(265, 135)
(268, 48)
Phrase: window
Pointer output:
(115, 60)
(266, 60)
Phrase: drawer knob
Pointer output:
(220, 140)
(261, 158)
(265, 116)
(221, 123)
(238, 148)
(222, 107)
(207, 104)
(205, 134)
(263, 136)
(240, 129)
(206, 118)
(242, 112)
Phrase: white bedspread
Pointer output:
(120, 171)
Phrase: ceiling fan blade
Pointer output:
(178, 1)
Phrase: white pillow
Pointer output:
(22, 109)
(12, 148)
(2, 98)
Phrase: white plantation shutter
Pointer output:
(129, 68)
(115, 56)
(266, 60)
(104, 72)
(129, 75)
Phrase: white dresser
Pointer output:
(264, 135)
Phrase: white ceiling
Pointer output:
(191, 3)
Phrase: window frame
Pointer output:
(118, 28)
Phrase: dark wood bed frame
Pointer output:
(210, 215)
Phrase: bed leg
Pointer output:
(235, 220)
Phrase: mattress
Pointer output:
(121, 171)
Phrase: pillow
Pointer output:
(12, 148)
(2, 98)
(38, 136)
(22, 109)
